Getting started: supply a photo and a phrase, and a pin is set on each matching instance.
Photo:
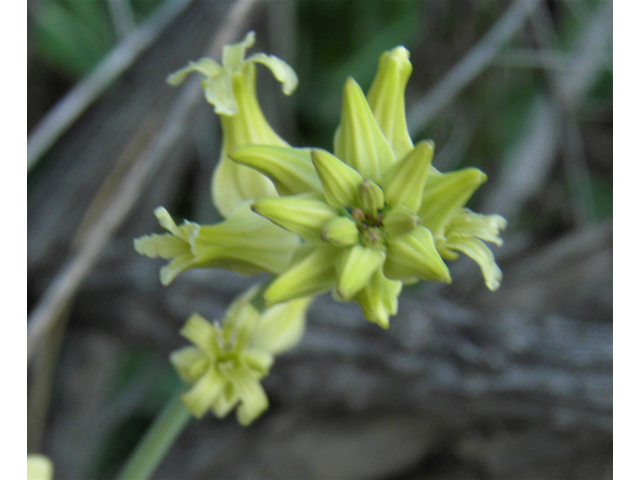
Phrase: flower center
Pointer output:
(370, 227)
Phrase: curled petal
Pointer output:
(481, 254)
(280, 69)
(445, 194)
(471, 224)
(206, 66)
(233, 55)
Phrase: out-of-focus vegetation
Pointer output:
(71, 36)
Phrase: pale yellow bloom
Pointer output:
(39, 467)
(231, 89)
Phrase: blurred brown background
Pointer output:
(466, 384)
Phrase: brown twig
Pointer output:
(67, 110)
(477, 60)
(67, 281)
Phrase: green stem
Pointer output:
(157, 441)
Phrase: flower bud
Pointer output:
(371, 196)
(359, 142)
(304, 214)
(341, 232)
(355, 268)
(405, 181)
(339, 181)
(400, 221)
(415, 256)
(386, 97)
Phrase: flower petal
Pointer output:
(355, 268)
(233, 55)
(225, 402)
(359, 142)
(312, 275)
(445, 194)
(290, 169)
(303, 214)
(481, 254)
(219, 92)
(190, 363)
(253, 399)
(386, 97)
(471, 224)
(280, 69)
(201, 396)
(245, 242)
(200, 332)
(339, 181)
(404, 183)
(206, 66)
(258, 360)
(415, 256)
(281, 326)
(379, 299)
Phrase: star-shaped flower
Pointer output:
(361, 224)
(229, 359)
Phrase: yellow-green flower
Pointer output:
(231, 89)
(360, 223)
(229, 359)
(245, 242)
(39, 467)
(380, 214)
(454, 227)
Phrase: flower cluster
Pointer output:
(360, 222)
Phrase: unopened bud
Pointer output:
(371, 196)
(341, 232)
(400, 221)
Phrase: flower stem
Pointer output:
(157, 441)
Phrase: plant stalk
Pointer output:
(157, 441)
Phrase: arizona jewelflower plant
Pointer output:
(380, 214)
(360, 222)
